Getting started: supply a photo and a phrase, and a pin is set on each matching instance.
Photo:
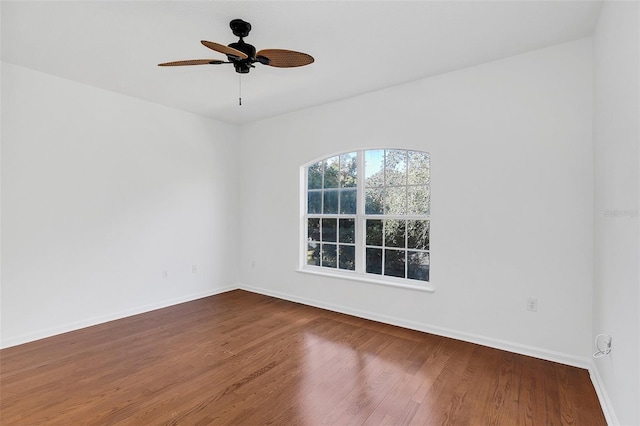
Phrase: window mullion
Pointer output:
(360, 219)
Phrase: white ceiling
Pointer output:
(359, 46)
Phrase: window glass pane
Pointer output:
(395, 167)
(418, 199)
(313, 229)
(419, 170)
(373, 167)
(394, 232)
(329, 255)
(314, 176)
(395, 201)
(374, 201)
(313, 254)
(348, 201)
(418, 234)
(374, 261)
(329, 229)
(374, 233)
(347, 230)
(418, 267)
(331, 172)
(347, 257)
(394, 263)
(330, 202)
(314, 202)
(348, 170)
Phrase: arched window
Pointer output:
(367, 215)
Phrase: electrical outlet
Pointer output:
(532, 304)
(194, 269)
(165, 274)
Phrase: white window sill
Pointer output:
(368, 279)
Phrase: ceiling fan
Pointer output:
(243, 55)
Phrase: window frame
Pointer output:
(360, 218)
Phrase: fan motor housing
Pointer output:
(243, 66)
(245, 48)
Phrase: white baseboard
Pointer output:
(65, 328)
(605, 402)
(454, 334)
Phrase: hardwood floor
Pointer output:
(246, 359)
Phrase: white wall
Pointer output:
(100, 194)
(512, 200)
(617, 188)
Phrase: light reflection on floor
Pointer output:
(342, 382)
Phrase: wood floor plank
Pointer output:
(319, 391)
(501, 403)
(247, 359)
(378, 375)
(394, 404)
(444, 398)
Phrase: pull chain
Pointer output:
(239, 89)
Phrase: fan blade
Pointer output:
(224, 49)
(285, 58)
(192, 62)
